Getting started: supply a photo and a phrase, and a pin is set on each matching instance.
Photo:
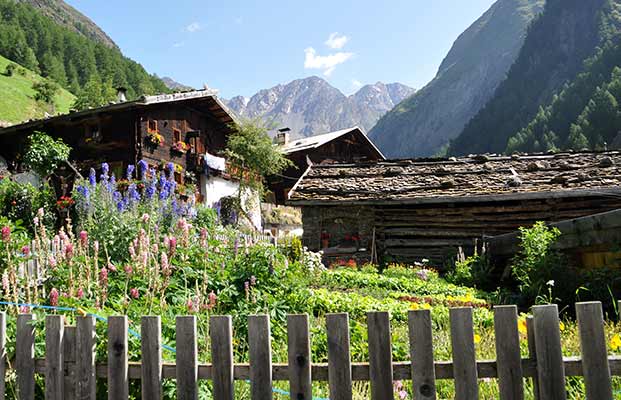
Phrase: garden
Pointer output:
(138, 249)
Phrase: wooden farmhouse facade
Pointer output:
(343, 146)
(410, 210)
(189, 129)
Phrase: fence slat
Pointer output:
(532, 352)
(550, 369)
(24, 353)
(339, 359)
(118, 381)
(260, 352)
(69, 347)
(594, 354)
(421, 353)
(380, 355)
(221, 334)
(464, 357)
(508, 357)
(187, 358)
(85, 358)
(54, 374)
(2, 354)
(299, 352)
(151, 352)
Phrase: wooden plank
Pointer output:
(380, 355)
(594, 354)
(24, 357)
(221, 334)
(299, 357)
(508, 357)
(2, 355)
(464, 356)
(339, 359)
(118, 381)
(69, 357)
(550, 370)
(260, 352)
(54, 374)
(151, 352)
(85, 358)
(532, 353)
(421, 353)
(186, 358)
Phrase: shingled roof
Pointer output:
(475, 178)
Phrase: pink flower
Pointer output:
(172, 244)
(145, 218)
(132, 251)
(40, 212)
(212, 300)
(96, 246)
(69, 250)
(192, 305)
(52, 261)
(111, 267)
(133, 292)
(80, 293)
(164, 262)
(35, 220)
(128, 269)
(203, 233)
(54, 297)
(6, 234)
(24, 310)
(26, 251)
(253, 280)
(5, 281)
(83, 238)
(103, 276)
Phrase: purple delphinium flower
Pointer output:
(105, 168)
(111, 184)
(117, 196)
(132, 193)
(83, 190)
(92, 178)
(170, 167)
(143, 168)
(130, 171)
(149, 192)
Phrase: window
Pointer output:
(93, 134)
(152, 126)
(176, 135)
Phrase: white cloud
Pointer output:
(178, 44)
(356, 83)
(335, 41)
(326, 63)
(194, 27)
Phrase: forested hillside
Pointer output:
(554, 52)
(79, 64)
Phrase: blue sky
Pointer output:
(240, 46)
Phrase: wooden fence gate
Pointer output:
(71, 372)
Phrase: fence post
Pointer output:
(550, 368)
(69, 346)
(464, 357)
(339, 359)
(380, 355)
(260, 352)
(24, 357)
(118, 382)
(186, 358)
(300, 384)
(508, 359)
(2, 354)
(595, 366)
(85, 357)
(151, 352)
(54, 367)
(221, 333)
(532, 352)
(421, 353)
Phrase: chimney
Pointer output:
(121, 94)
(282, 137)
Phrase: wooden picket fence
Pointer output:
(71, 372)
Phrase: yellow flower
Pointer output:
(414, 306)
(522, 327)
(477, 338)
(427, 306)
(615, 342)
(561, 326)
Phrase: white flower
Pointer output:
(425, 261)
(550, 282)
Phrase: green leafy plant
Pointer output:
(45, 154)
(45, 91)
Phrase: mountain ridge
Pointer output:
(311, 105)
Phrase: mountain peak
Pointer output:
(312, 105)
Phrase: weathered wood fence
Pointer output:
(71, 372)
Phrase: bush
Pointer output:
(10, 69)
(474, 271)
(45, 153)
(206, 217)
(20, 202)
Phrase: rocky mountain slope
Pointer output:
(567, 33)
(174, 85)
(311, 105)
(479, 60)
(63, 14)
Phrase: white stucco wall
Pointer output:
(214, 188)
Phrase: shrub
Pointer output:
(474, 271)
(10, 69)
(45, 154)
(20, 202)
(206, 217)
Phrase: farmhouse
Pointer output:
(408, 210)
(188, 129)
(344, 146)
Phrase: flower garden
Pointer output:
(136, 249)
